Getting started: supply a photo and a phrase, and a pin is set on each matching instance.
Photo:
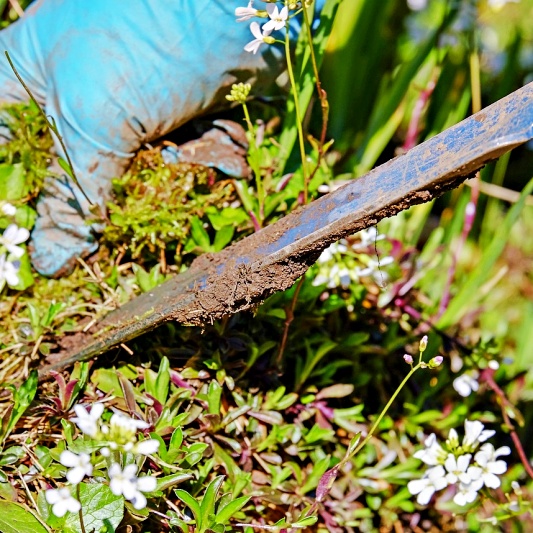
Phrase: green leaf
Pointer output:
(166, 482)
(107, 381)
(23, 396)
(12, 182)
(314, 355)
(15, 518)
(227, 216)
(305, 522)
(162, 381)
(176, 440)
(314, 477)
(25, 216)
(146, 280)
(305, 81)
(466, 296)
(66, 167)
(213, 397)
(247, 199)
(99, 505)
(53, 309)
(199, 235)
(233, 507)
(207, 507)
(223, 237)
(81, 374)
(193, 505)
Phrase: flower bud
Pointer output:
(408, 359)
(239, 92)
(423, 343)
(436, 361)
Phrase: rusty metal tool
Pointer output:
(272, 259)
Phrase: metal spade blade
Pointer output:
(272, 259)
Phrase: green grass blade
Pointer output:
(464, 299)
(306, 81)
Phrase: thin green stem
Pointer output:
(248, 120)
(51, 125)
(82, 525)
(363, 443)
(254, 163)
(322, 95)
(299, 126)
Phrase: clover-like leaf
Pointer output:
(99, 506)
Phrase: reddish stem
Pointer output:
(411, 137)
(487, 376)
(289, 317)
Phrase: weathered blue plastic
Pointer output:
(271, 260)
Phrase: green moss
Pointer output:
(30, 143)
(155, 202)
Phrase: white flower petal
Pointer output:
(114, 470)
(138, 500)
(75, 475)
(491, 480)
(256, 31)
(146, 447)
(146, 483)
(8, 209)
(425, 496)
(15, 235)
(62, 501)
(68, 458)
(417, 485)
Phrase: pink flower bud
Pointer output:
(436, 361)
(423, 343)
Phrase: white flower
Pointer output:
(278, 18)
(488, 467)
(8, 271)
(373, 265)
(80, 465)
(453, 439)
(13, 235)
(320, 279)
(467, 493)
(339, 276)
(122, 434)
(89, 423)
(432, 454)
(8, 209)
(245, 13)
(146, 447)
(417, 5)
(465, 385)
(475, 434)
(125, 423)
(457, 468)
(433, 480)
(499, 4)
(62, 501)
(260, 38)
(337, 248)
(368, 237)
(127, 483)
